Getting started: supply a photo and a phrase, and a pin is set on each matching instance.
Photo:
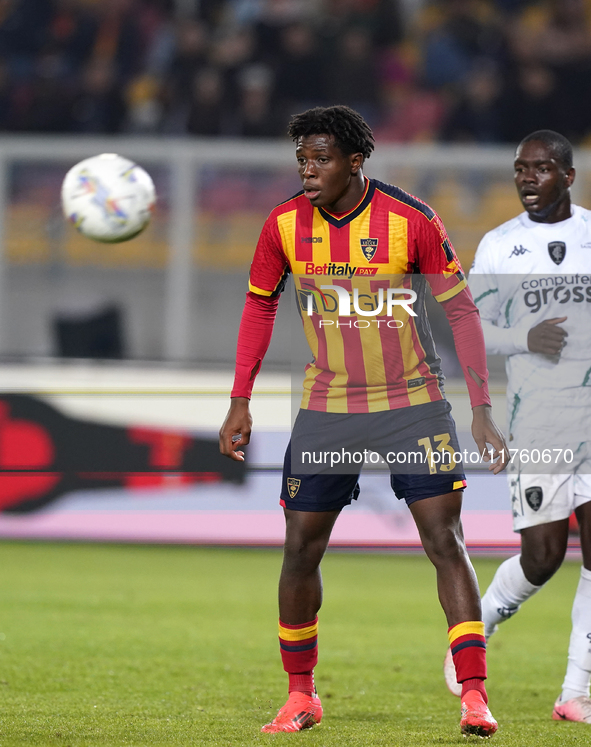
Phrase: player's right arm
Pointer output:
(254, 336)
(235, 431)
(546, 337)
(484, 284)
(268, 273)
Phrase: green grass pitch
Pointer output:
(124, 645)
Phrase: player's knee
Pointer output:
(302, 553)
(543, 548)
(444, 545)
(541, 563)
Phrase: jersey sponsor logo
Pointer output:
(542, 296)
(557, 251)
(369, 247)
(339, 270)
(534, 497)
(293, 485)
(311, 239)
(518, 251)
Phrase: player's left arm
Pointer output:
(486, 432)
(464, 320)
(439, 261)
(268, 273)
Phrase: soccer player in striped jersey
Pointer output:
(361, 253)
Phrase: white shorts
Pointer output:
(541, 499)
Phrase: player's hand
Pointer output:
(235, 431)
(547, 338)
(485, 431)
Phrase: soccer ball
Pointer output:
(108, 198)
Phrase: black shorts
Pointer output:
(328, 450)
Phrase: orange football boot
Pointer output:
(476, 718)
(300, 712)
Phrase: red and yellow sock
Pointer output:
(299, 653)
(468, 648)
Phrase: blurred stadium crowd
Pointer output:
(480, 71)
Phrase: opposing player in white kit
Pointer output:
(531, 281)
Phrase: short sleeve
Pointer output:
(269, 268)
(438, 260)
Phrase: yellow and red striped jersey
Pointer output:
(370, 353)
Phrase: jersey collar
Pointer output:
(342, 220)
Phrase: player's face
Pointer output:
(543, 182)
(330, 179)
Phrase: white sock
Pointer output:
(578, 671)
(508, 590)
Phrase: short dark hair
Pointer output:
(351, 132)
(561, 147)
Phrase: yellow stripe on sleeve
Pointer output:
(452, 291)
(259, 291)
(299, 634)
(474, 627)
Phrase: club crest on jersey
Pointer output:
(293, 485)
(369, 247)
(557, 251)
(534, 497)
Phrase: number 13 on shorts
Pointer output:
(445, 457)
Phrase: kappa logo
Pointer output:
(293, 485)
(518, 251)
(369, 247)
(557, 251)
(534, 497)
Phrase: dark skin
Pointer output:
(543, 183)
(334, 181)
(438, 521)
(543, 547)
(330, 179)
(547, 337)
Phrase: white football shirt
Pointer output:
(523, 273)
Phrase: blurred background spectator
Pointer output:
(483, 71)
(299, 67)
